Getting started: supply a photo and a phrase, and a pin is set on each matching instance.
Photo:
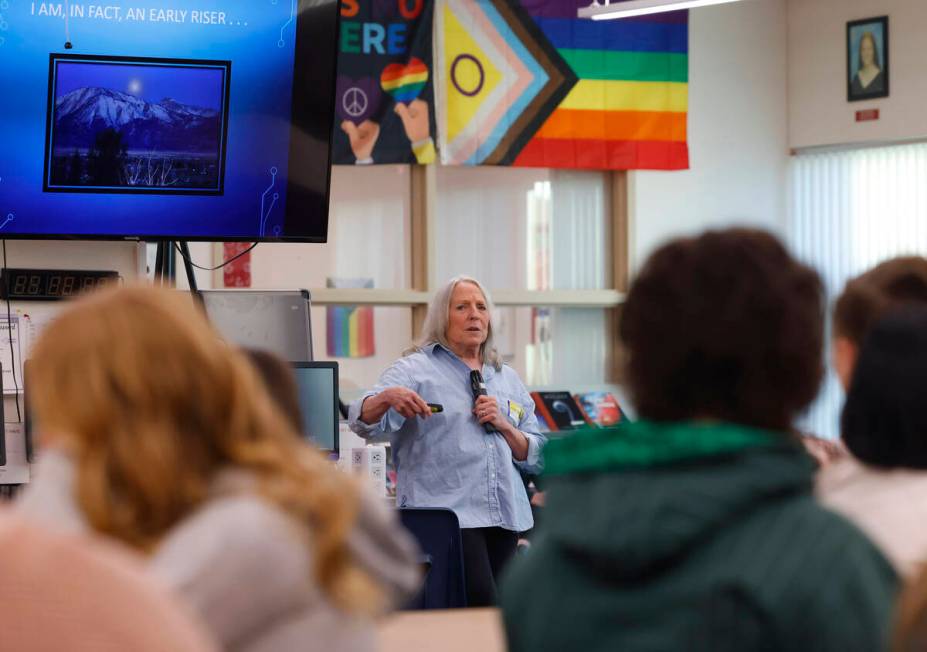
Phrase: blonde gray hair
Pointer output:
(436, 320)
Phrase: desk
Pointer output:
(452, 630)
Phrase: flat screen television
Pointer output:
(207, 120)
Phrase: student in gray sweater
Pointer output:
(160, 436)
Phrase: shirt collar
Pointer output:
(488, 370)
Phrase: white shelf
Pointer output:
(552, 298)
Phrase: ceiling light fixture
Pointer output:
(608, 10)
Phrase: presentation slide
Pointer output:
(166, 120)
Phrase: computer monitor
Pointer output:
(317, 386)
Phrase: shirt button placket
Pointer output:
(493, 486)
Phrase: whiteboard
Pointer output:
(273, 320)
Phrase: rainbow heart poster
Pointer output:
(384, 98)
(404, 82)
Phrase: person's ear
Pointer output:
(844, 353)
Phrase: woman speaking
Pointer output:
(452, 447)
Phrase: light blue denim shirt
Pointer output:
(449, 460)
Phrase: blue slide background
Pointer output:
(259, 119)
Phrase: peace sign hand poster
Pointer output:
(384, 90)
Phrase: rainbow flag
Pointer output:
(349, 332)
(628, 109)
(404, 82)
(527, 83)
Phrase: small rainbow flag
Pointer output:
(404, 82)
(350, 332)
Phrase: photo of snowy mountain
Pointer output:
(134, 126)
(166, 126)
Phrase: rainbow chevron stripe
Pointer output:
(527, 83)
(497, 80)
(349, 332)
(404, 83)
(629, 108)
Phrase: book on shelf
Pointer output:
(559, 409)
(600, 408)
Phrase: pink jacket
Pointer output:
(71, 592)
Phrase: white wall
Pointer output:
(204, 254)
(368, 239)
(737, 131)
(819, 113)
(124, 257)
(127, 258)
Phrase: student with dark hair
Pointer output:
(280, 383)
(862, 303)
(694, 528)
(866, 299)
(380, 556)
(884, 426)
(862, 486)
(884, 423)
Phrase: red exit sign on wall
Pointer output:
(868, 114)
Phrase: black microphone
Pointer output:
(478, 387)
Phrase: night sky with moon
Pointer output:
(194, 86)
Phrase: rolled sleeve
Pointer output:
(361, 429)
(534, 462)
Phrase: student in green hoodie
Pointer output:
(695, 528)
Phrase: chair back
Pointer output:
(438, 534)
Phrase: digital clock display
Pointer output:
(52, 284)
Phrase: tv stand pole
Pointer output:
(165, 265)
(188, 267)
(164, 269)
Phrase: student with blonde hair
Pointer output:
(159, 435)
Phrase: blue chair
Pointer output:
(438, 534)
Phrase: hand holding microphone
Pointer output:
(485, 407)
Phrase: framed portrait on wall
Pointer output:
(867, 59)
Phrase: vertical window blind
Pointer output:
(848, 211)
